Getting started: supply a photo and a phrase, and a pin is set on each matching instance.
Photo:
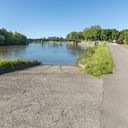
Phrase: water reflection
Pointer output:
(48, 53)
(11, 51)
(75, 51)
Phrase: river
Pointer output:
(48, 53)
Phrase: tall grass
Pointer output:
(10, 63)
(98, 60)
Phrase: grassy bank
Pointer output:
(97, 60)
(12, 63)
(126, 45)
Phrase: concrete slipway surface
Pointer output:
(115, 99)
(53, 96)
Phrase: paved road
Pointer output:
(115, 101)
(50, 97)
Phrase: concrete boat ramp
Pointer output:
(58, 96)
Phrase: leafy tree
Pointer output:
(54, 38)
(2, 40)
(124, 35)
(3, 32)
(9, 38)
(12, 38)
(106, 34)
(75, 35)
(126, 39)
(19, 38)
(92, 33)
(115, 34)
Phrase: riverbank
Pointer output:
(7, 65)
(96, 60)
(84, 44)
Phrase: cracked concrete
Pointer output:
(50, 96)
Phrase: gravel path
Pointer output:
(50, 97)
(115, 101)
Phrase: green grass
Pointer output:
(11, 63)
(98, 60)
(126, 45)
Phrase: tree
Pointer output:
(124, 35)
(126, 39)
(2, 40)
(12, 38)
(92, 33)
(9, 38)
(75, 35)
(54, 38)
(3, 32)
(19, 38)
(106, 34)
(115, 34)
(96, 33)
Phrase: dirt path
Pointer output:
(50, 97)
(115, 101)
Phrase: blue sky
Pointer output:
(59, 17)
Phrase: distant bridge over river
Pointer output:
(75, 41)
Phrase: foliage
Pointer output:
(89, 51)
(115, 34)
(19, 38)
(2, 39)
(96, 33)
(75, 35)
(124, 35)
(93, 33)
(126, 39)
(9, 38)
(98, 61)
(109, 34)
(10, 63)
(54, 38)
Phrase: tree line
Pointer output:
(93, 33)
(54, 38)
(96, 33)
(11, 38)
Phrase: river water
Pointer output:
(47, 53)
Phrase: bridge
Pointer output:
(75, 41)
